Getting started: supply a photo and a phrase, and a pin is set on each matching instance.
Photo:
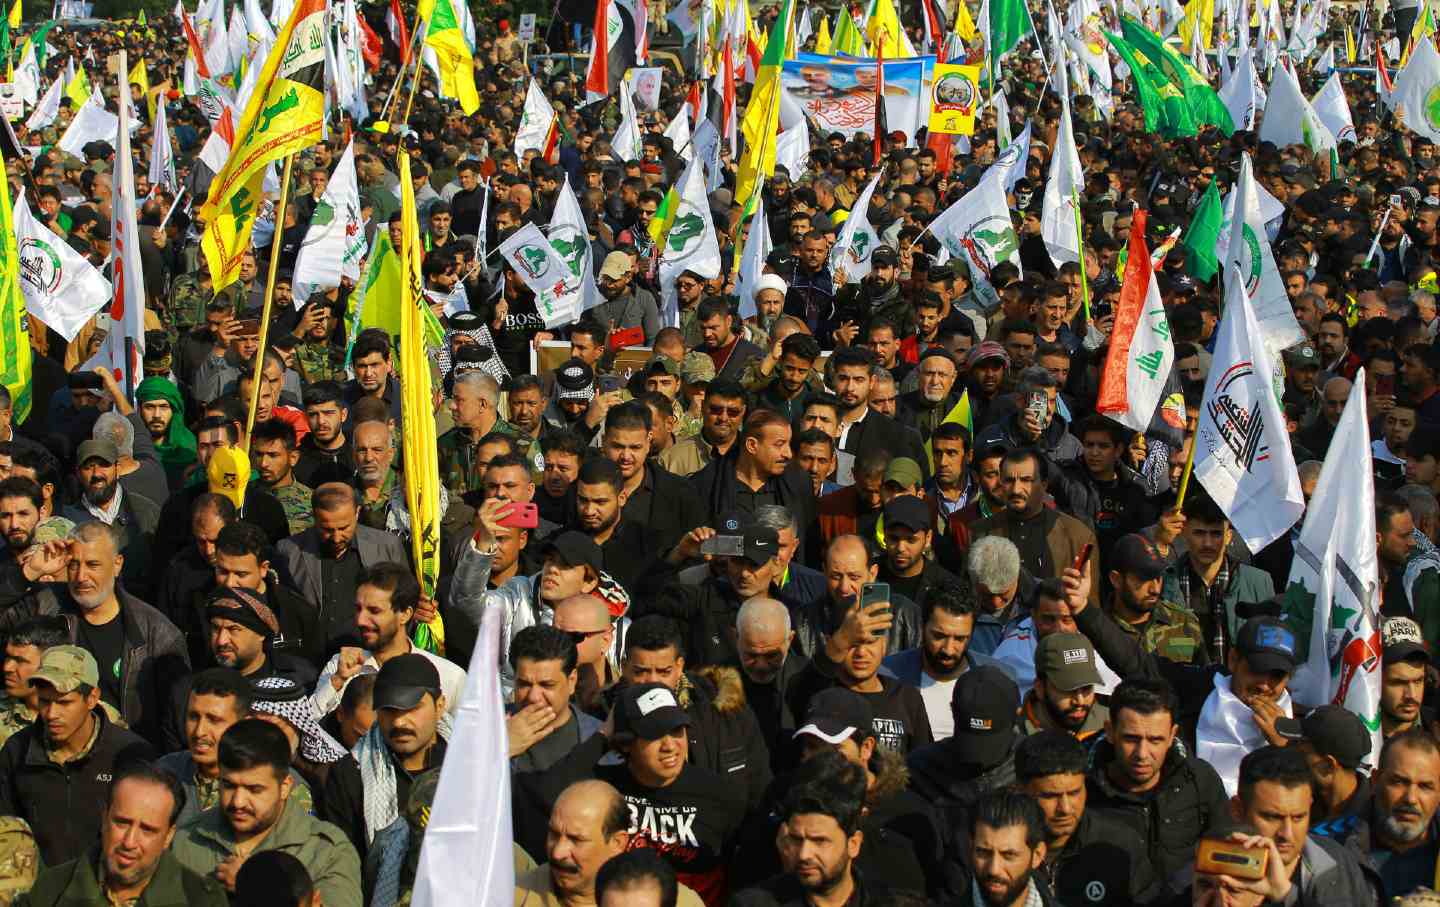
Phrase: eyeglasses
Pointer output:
(733, 412)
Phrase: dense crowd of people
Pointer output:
(776, 626)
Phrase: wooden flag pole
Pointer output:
(1189, 467)
(275, 242)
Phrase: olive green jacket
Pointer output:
(331, 860)
(77, 884)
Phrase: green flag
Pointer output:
(1009, 22)
(1202, 235)
(1205, 104)
(1166, 110)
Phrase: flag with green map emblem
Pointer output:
(1417, 87)
(691, 244)
(571, 238)
(1331, 601)
(14, 325)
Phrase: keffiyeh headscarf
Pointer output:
(468, 324)
(284, 698)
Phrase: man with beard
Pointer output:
(162, 408)
(134, 516)
(723, 413)
(790, 390)
(562, 451)
(133, 863)
(862, 429)
(1090, 857)
(759, 470)
(1402, 679)
(385, 602)
(374, 449)
(259, 812)
(689, 289)
(176, 529)
(727, 348)
(986, 367)
(1063, 697)
(20, 503)
(327, 562)
(625, 307)
(1006, 851)
(819, 841)
(193, 569)
(404, 742)
(325, 453)
(1163, 628)
(943, 654)
(764, 639)
(527, 406)
(877, 295)
(907, 521)
(654, 498)
(926, 407)
(810, 295)
(272, 449)
(599, 506)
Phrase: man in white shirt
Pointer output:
(943, 654)
(1250, 706)
(385, 602)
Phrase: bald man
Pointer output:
(848, 567)
(588, 826)
(767, 665)
(1315, 436)
(587, 619)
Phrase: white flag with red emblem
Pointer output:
(335, 242)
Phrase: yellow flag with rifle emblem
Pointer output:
(283, 116)
(15, 360)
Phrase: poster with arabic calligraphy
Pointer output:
(838, 93)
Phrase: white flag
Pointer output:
(691, 244)
(334, 242)
(256, 23)
(1242, 453)
(1333, 109)
(1416, 84)
(1335, 578)
(978, 231)
(706, 139)
(850, 258)
(792, 149)
(542, 269)
(1058, 223)
(61, 287)
(1289, 119)
(1326, 63)
(91, 123)
(350, 62)
(127, 307)
(1239, 94)
(536, 122)
(678, 132)
(48, 109)
(752, 260)
(571, 239)
(467, 857)
(626, 142)
(238, 37)
(1249, 260)
(1009, 166)
(27, 76)
(162, 156)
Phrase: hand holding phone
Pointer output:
(1231, 858)
(521, 515)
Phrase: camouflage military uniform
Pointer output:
(372, 513)
(320, 360)
(1173, 632)
(459, 469)
(186, 308)
(15, 716)
(19, 859)
(295, 498)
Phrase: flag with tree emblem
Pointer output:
(571, 239)
(541, 268)
(334, 243)
(14, 325)
(1330, 601)
(284, 115)
(850, 259)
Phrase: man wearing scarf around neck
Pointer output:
(174, 443)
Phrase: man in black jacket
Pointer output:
(661, 502)
(1090, 858)
(909, 527)
(862, 429)
(261, 508)
(54, 774)
(729, 350)
(757, 470)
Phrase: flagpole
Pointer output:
(275, 243)
(1080, 241)
(400, 75)
(415, 77)
(1189, 467)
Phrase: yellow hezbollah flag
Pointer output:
(964, 25)
(848, 39)
(15, 14)
(456, 59)
(138, 76)
(954, 100)
(883, 30)
(78, 88)
(959, 414)
(822, 38)
(1199, 20)
(283, 116)
(762, 119)
(14, 326)
(417, 413)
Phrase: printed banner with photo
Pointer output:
(838, 93)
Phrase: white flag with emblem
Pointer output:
(536, 121)
(1058, 224)
(1416, 88)
(752, 260)
(1249, 261)
(977, 230)
(691, 244)
(1335, 579)
(334, 243)
(571, 239)
(1242, 453)
(541, 269)
(850, 259)
(162, 156)
(1333, 109)
(61, 287)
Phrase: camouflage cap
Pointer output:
(662, 363)
(65, 668)
(698, 368)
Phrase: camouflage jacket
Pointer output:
(15, 716)
(295, 499)
(459, 469)
(186, 306)
(320, 361)
(19, 859)
(372, 513)
(1173, 632)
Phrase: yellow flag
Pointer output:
(138, 76)
(417, 413)
(960, 415)
(456, 60)
(15, 14)
(762, 117)
(283, 116)
(822, 38)
(964, 25)
(78, 88)
(883, 30)
(848, 39)
(1199, 20)
(1349, 45)
(15, 362)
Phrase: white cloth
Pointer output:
(1227, 731)
(326, 698)
(936, 695)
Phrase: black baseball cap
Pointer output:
(576, 549)
(649, 711)
(761, 544)
(885, 256)
(1267, 644)
(404, 681)
(984, 704)
(836, 714)
(1135, 554)
(907, 511)
(1334, 730)
(1401, 640)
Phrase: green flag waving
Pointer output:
(1166, 110)
(1205, 104)
(1009, 22)
(1202, 235)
